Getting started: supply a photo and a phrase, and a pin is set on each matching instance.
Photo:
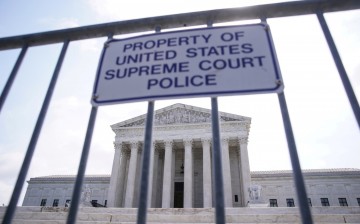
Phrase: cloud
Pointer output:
(92, 45)
(67, 23)
(6, 190)
(110, 10)
(10, 166)
(356, 79)
(60, 23)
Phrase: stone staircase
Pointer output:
(87, 215)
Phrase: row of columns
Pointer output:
(127, 195)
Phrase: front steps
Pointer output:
(86, 215)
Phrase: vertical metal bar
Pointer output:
(75, 199)
(12, 76)
(217, 164)
(144, 181)
(82, 166)
(217, 159)
(340, 67)
(298, 177)
(31, 148)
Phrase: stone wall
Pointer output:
(61, 188)
(331, 184)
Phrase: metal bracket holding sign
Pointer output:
(190, 63)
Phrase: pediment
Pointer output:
(179, 114)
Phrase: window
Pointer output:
(236, 198)
(309, 201)
(273, 203)
(290, 202)
(67, 203)
(358, 199)
(343, 202)
(43, 202)
(56, 203)
(324, 201)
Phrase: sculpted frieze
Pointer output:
(180, 116)
(199, 130)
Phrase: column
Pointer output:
(166, 194)
(114, 180)
(226, 172)
(137, 175)
(207, 173)
(131, 176)
(125, 155)
(151, 174)
(244, 169)
(188, 174)
(172, 178)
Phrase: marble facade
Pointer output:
(275, 185)
(181, 134)
(180, 170)
(46, 190)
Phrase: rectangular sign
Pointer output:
(189, 63)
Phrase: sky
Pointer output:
(326, 133)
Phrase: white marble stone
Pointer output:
(226, 172)
(166, 197)
(188, 175)
(129, 196)
(207, 187)
(178, 123)
(191, 215)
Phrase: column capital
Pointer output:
(134, 144)
(125, 153)
(118, 145)
(140, 151)
(206, 141)
(188, 142)
(225, 140)
(243, 140)
(168, 143)
(155, 145)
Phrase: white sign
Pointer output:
(189, 63)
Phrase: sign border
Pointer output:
(265, 26)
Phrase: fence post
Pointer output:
(298, 177)
(75, 200)
(31, 148)
(217, 164)
(340, 67)
(144, 181)
(12, 76)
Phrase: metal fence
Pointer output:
(317, 7)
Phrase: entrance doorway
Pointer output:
(179, 195)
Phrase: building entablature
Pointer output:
(230, 130)
(179, 121)
(179, 114)
(309, 174)
(68, 179)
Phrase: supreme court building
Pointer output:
(181, 170)
(180, 167)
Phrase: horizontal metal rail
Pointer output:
(276, 10)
